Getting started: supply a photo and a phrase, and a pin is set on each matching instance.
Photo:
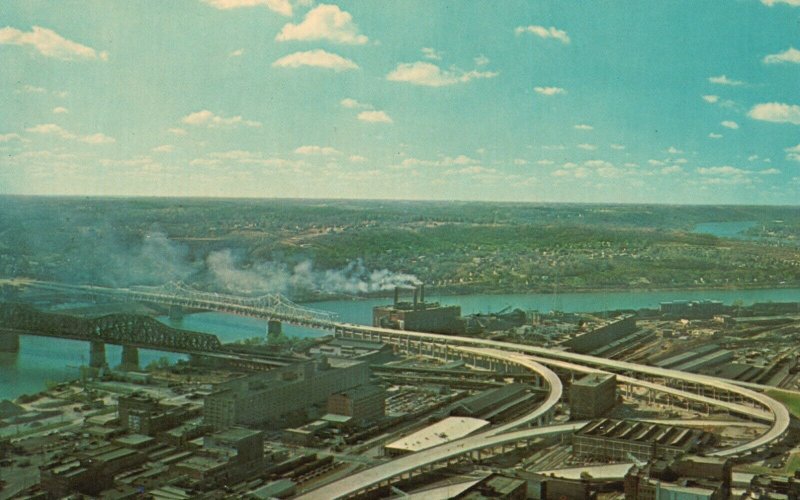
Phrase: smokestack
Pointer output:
(422, 293)
(396, 295)
(416, 297)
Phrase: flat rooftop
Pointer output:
(441, 432)
(594, 379)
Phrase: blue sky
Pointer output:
(607, 101)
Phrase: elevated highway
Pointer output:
(711, 390)
(427, 460)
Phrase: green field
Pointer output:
(791, 400)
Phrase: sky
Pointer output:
(543, 101)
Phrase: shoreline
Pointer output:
(447, 292)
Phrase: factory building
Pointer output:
(282, 394)
(418, 315)
(491, 403)
(607, 439)
(142, 414)
(365, 403)
(602, 335)
(358, 349)
(693, 477)
(242, 445)
(695, 309)
(592, 396)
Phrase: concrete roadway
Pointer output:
(556, 389)
(374, 476)
(780, 415)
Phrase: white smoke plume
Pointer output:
(230, 274)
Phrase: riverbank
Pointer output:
(449, 291)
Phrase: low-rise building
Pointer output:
(275, 397)
(441, 432)
(365, 403)
(592, 396)
(607, 439)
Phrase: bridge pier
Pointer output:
(274, 328)
(97, 354)
(9, 342)
(130, 358)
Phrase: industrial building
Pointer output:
(418, 315)
(607, 439)
(142, 414)
(491, 403)
(695, 477)
(361, 350)
(274, 396)
(602, 335)
(441, 432)
(592, 396)
(695, 309)
(365, 403)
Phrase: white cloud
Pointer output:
(431, 75)
(56, 130)
(776, 112)
(374, 116)
(317, 151)
(549, 90)
(50, 44)
(674, 169)
(711, 98)
(32, 89)
(730, 124)
(769, 171)
(430, 53)
(587, 147)
(543, 32)
(208, 119)
(357, 159)
(97, 138)
(471, 170)
(618, 147)
(674, 151)
(237, 53)
(317, 58)
(655, 163)
(545, 162)
(60, 110)
(51, 129)
(583, 126)
(325, 22)
(724, 170)
(481, 60)
(724, 80)
(164, 148)
(790, 55)
(10, 137)
(445, 161)
(282, 7)
(177, 131)
(792, 153)
(793, 3)
(712, 135)
(353, 104)
(520, 162)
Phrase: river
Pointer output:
(42, 360)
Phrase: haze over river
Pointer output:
(43, 359)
